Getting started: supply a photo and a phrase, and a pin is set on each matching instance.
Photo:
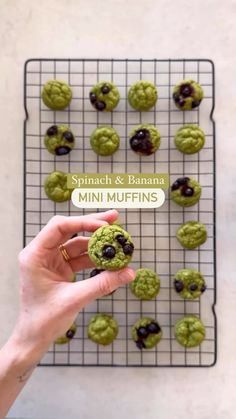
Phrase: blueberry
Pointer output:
(68, 136)
(100, 105)
(186, 90)
(135, 144)
(128, 249)
(140, 344)
(179, 286)
(52, 131)
(181, 102)
(153, 328)
(92, 97)
(203, 288)
(140, 134)
(176, 97)
(105, 89)
(187, 191)
(175, 186)
(95, 272)
(108, 252)
(193, 287)
(195, 103)
(121, 239)
(142, 332)
(70, 334)
(183, 180)
(62, 150)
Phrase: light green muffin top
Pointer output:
(102, 329)
(104, 96)
(146, 284)
(144, 139)
(110, 247)
(189, 283)
(104, 141)
(186, 191)
(189, 139)
(59, 140)
(188, 95)
(67, 336)
(191, 234)
(142, 95)
(146, 333)
(55, 187)
(190, 331)
(56, 94)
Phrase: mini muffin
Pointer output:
(104, 96)
(67, 336)
(104, 141)
(189, 139)
(110, 247)
(59, 140)
(55, 187)
(142, 95)
(146, 284)
(190, 331)
(102, 329)
(186, 191)
(188, 95)
(144, 139)
(56, 94)
(146, 333)
(189, 284)
(191, 234)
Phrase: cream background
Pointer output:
(121, 29)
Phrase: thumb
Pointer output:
(102, 284)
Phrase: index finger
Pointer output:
(60, 228)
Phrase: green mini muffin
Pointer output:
(191, 234)
(104, 96)
(146, 333)
(146, 284)
(142, 95)
(144, 139)
(186, 191)
(110, 247)
(55, 187)
(190, 331)
(67, 336)
(56, 94)
(102, 329)
(189, 139)
(59, 140)
(188, 95)
(104, 141)
(189, 284)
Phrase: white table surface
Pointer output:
(121, 29)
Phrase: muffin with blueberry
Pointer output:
(189, 284)
(189, 139)
(104, 96)
(104, 141)
(142, 95)
(59, 140)
(67, 336)
(186, 191)
(191, 234)
(146, 284)
(190, 331)
(102, 329)
(56, 94)
(146, 333)
(188, 95)
(144, 139)
(110, 247)
(55, 187)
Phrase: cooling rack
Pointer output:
(153, 231)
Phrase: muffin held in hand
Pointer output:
(189, 284)
(191, 234)
(104, 141)
(144, 139)
(102, 329)
(189, 139)
(142, 95)
(186, 191)
(146, 284)
(104, 96)
(67, 336)
(55, 187)
(59, 140)
(110, 247)
(146, 333)
(190, 331)
(188, 95)
(56, 94)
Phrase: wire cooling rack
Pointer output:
(153, 231)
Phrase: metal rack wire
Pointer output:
(153, 231)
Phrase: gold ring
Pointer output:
(64, 252)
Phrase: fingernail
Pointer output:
(126, 275)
